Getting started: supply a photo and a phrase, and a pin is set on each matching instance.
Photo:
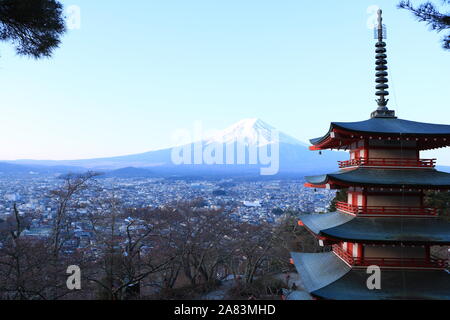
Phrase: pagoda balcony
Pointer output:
(390, 262)
(385, 210)
(388, 162)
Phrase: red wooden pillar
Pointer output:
(361, 251)
(366, 149)
(350, 248)
(364, 194)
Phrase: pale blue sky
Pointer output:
(137, 71)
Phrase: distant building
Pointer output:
(252, 204)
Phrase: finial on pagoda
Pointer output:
(381, 73)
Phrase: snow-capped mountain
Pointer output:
(252, 132)
(253, 144)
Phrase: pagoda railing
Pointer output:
(390, 262)
(385, 210)
(388, 162)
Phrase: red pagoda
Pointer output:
(384, 221)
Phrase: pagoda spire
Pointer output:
(381, 73)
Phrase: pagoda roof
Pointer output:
(385, 127)
(340, 226)
(426, 178)
(326, 276)
(318, 270)
(395, 285)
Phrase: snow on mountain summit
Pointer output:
(252, 131)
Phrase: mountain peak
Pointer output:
(252, 131)
(253, 123)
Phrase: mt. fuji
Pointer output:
(246, 139)
(252, 132)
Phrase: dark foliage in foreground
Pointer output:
(33, 26)
(429, 13)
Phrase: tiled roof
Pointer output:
(326, 276)
(389, 126)
(341, 226)
(386, 177)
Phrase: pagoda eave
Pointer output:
(337, 226)
(323, 186)
(341, 135)
(374, 177)
(326, 276)
(396, 285)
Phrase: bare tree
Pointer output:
(23, 261)
(63, 197)
(62, 228)
(126, 252)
